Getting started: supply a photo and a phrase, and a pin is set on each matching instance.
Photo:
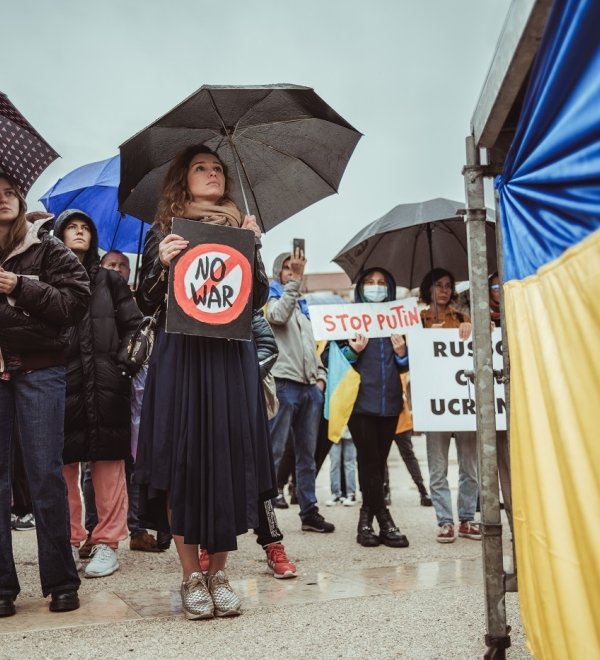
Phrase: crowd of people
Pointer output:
(96, 449)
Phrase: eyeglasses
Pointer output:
(495, 287)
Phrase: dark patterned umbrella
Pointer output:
(24, 154)
(285, 149)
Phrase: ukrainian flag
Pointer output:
(549, 196)
(342, 389)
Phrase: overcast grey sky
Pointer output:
(406, 73)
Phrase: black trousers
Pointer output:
(268, 529)
(373, 437)
(404, 443)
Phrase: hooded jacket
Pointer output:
(380, 391)
(52, 293)
(298, 359)
(97, 411)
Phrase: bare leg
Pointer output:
(188, 556)
(217, 562)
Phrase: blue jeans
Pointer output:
(438, 445)
(346, 448)
(38, 401)
(300, 409)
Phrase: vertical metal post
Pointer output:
(497, 638)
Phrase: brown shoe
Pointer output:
(86, 548)
(144, 542)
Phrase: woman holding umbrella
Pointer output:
(438, 291)
(203, 455)
(375, 413)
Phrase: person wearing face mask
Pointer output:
(376, 409)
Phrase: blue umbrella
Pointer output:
(93, 188)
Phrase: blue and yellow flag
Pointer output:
(342, 389)
(550, 214)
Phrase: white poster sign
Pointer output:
(369, 319)
(442, 391)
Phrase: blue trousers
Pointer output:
(37, 399)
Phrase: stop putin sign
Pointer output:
(210, 283)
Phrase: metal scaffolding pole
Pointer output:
(497, 638)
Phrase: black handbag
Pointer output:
(141, 343)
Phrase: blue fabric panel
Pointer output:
(549, 189)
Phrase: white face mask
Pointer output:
(375, 292)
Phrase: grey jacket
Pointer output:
(298, 359)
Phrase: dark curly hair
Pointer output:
(430, 279)
(175, 194)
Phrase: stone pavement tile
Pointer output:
(425, 575)
(261, 591)
(33, 614)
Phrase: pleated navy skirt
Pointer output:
(204, 441)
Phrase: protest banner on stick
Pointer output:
(210, 283)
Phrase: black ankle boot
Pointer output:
(389, 534)
(365, 533)
(425, 499)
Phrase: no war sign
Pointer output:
(210, 283)
(442, 387)
(369, 319)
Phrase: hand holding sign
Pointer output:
(170, 247)
(398, 344)
(359, 343)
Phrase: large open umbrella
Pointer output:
(411, 239)
(285, 149)
(24, 154)
(93, 188)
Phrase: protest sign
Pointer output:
(442, 391)
(369, 319)
(210, 282)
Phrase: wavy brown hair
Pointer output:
(430, 279)
(175, 193)
(18, 229)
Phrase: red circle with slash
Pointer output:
(212, 274)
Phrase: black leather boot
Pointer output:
(389, 534)
(365, 533)
(425, 499)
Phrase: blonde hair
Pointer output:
(175, 194)
(18, 229)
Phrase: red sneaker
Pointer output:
(278, 562)
(446, 533)
(470, 530)
(203, 560)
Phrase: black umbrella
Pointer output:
(411, 239)
(285, 149)
(24, 154)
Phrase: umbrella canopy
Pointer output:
(411, 239)
(93, 188)
(24, 154)
(285, 149)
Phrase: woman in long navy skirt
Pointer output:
(203, 456)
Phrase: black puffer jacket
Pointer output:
(98, 405)
(52, 293)
(266, 346)
(154, 278)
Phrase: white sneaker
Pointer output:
(350, 500)
(75, 551)
(334, 501)
(103, 562)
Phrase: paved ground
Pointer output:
(425, 601)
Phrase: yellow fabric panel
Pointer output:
(341, 404)
(553, 327)
(405, 421)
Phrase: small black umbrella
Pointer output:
(24, 154)
(285, 149)
(411, 239)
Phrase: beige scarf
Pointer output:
(224, 214)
